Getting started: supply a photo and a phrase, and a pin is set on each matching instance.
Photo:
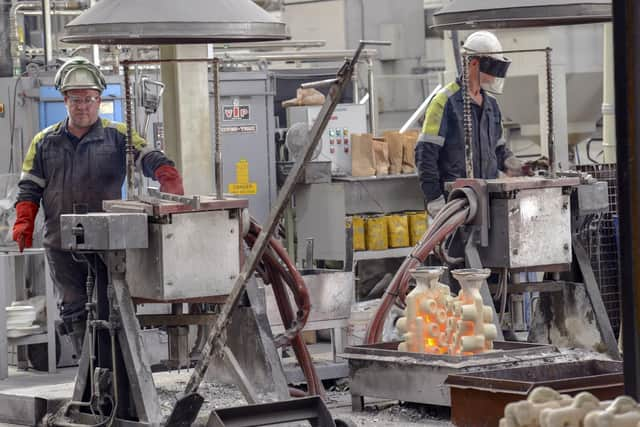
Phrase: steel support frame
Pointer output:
(626, 33)
(593, 293)
(138, 370)
(136, 364)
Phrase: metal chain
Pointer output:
(550, 124)
(216, 114)
(467, 119)
(129, 138)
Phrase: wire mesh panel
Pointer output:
(599, 235)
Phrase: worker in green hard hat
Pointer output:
(72, 166)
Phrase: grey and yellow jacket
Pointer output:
(440, 151)
(62, 175)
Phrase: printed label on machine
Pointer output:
(242, 186)
(239, 129)
(236, 111)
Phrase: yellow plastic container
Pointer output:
(398, 229)
(417, 226)
(357, 223)
(376, 233)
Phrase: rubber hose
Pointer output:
(292, 277)
(302, 299)
(273, 271)
(299, 348)
(286, 312)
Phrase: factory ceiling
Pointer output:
(173, 22)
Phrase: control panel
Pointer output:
(346, 120)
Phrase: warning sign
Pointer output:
(242, 186)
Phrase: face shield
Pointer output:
(492, 73)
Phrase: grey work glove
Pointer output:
(513, 166)
(435, 206)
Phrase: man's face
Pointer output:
(486, 79)
(83, 106)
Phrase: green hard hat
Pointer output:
(79, 73)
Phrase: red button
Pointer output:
(346, 149)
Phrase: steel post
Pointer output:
(626, 29)
(46, 26)
(373, 105)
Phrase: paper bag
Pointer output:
(362, 157)
(396, 146)
(305, 97)
(381, 151)
(408, 151)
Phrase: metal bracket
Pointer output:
(155, 195)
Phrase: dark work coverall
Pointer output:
(65, 172)
(440, 151)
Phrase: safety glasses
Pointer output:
(82, 100)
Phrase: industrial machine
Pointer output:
(155, 251)
(248, 138)
(512, 226)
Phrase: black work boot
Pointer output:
(74, 321)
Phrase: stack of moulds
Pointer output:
(20, 320)
(436, 322)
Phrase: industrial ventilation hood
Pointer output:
(487, 14)
(173, 22)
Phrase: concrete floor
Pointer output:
(25, 386)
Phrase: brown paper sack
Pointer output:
(396, 145)
(408, 151)
(362, 157)
(381, 151)
(305, 97)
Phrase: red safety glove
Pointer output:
(25, 221)
(169, 179)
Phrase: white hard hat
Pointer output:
(487, 48)
(79, 73)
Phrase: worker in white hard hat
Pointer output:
(72, 166)
(440, 151)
